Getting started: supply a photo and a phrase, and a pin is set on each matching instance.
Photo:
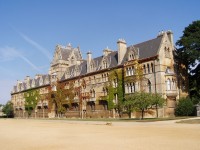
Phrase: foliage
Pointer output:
(31, 100)
(58, 97)
(117, 75)
(189, 44)
(157, 101)
(188, 54)
(130, 103)
(138, 73)
(8, 110)
(139, 101)
(185, 107)
(120, 91)
(194, 80)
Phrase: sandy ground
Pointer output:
(25, 134)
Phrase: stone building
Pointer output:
(87, 81)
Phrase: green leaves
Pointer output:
(185, 107)
(189, 44)
(8, 110)
(31, 100)
(143, 101)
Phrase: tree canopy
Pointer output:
(188, 53)
(189, 44)
(8, 110)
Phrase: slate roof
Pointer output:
(148, 48)
(111, 57)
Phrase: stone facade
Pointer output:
(161, 74)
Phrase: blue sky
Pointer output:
(30, 29)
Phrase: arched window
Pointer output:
(144, 69)
(173, 84)
(149, 86)
(152, 67)
(148, 68)
(168, 84)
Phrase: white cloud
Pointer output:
(7, 53)
(36, 45)
(10, 53)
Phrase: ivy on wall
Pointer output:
(116, 74)
(31, 100)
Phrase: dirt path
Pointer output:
(22, 134)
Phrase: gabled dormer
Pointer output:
(41, 81)
(105, 63)
(133, 53)
(46, 80)
(33, 83)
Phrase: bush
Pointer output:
(184, 108)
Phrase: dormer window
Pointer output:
(131, 56)
(46, 80)
(33, 83)
(92, 67)
(41, 81)
(105, 64)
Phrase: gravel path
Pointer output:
(27, 134)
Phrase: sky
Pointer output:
(30, 30)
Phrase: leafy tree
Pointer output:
(31, 100)
(130, 103)
(188, 53)
(157, 101)
(139, 101)
(8, 110)
(189, 44)
(185, 107)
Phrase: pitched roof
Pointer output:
(148, 48)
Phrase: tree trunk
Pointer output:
(157, 110)
(142, 114)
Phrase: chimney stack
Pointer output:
(122, 48)
(89, 58)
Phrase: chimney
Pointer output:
(38, 76)
(106, 51)
(122, 48)
(89, 58)
(27, 78)
(170, 36)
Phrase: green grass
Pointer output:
(193, 121)
(115, 119)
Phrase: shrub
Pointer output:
(184, 108)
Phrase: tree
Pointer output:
(130, 103)
(185, 107)
(31, 100)
(189, 44)
(188, 53)
(139, 101)
(157, 101)
(8, 110)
